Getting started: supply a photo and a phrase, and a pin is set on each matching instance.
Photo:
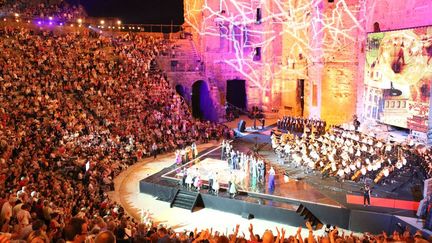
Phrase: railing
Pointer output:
(185, 66)
(110, 24)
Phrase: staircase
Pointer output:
(185, 199)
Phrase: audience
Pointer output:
(75, 110)
(58, 10)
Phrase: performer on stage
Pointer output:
(183, 155)
(232, 188)
(223, 147)
(215, 185)
(184, 176)
(189, 179)
(194, 150)
(366, 195)
(197, 183)
(178, 157)
(210, 182)
(271, 183)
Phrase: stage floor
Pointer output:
(285, 188)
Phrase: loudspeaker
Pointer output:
(241, 126)
(308, 216)
(247, 215)
(257, 54)
(258, 16)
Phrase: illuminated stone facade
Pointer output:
(274, 44)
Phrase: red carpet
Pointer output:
(384, 202)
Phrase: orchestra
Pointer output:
(348, 155)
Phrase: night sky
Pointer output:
(136, 11)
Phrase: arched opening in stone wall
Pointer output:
(236, 93)
(376, 27)
(202, 104)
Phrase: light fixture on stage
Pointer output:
(392, 91)
(309, 216)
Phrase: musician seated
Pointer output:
(340, 174)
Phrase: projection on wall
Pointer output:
(398, 75)
(286, 31)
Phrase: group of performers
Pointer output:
(247, 164)
(184, 155)
(236, 160)
(192, 180)
(299, 124)
(346, 155)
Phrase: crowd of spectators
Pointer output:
(58, 10)
(76, 109)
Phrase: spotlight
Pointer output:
(50, 23)
(79, 25)
(119, 22)
(138, 28)
(102, 22)
(79, 21)
(39, 22)
(109, 27)
(50, 18)
(113, 27)
(28, 21)
(4, 19)
(16, 15)
(61, 24)
(71, 25)
(17, 20)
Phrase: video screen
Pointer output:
(398, 75)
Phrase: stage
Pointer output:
(332, 202)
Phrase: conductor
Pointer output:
(366, 195)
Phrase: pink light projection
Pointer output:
(290, 32)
